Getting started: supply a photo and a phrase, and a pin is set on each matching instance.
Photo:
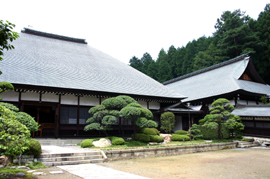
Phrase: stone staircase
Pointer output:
(59, 142)
(57, 159)
(244, 144)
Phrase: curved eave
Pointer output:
(82, 92)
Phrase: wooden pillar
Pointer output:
(20, 103)
(38, 109)
(58, 117)
(78, 115)
(22, 107)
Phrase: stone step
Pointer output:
(70, 158)
(244, 144)
(46, 155)
(73, 162)
(59, 142)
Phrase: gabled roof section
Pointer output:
(42, 59)
(206, 69)
(219, 79)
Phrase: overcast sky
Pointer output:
(125, 28)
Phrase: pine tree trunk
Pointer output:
(219, 129)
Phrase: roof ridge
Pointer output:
(207, 69)
(54, 36)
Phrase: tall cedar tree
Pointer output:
(235, 34)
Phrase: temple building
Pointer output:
(57, 79)
(236, 80)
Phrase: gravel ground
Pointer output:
(231, 163)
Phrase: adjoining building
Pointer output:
(236, 80)
(57, 79)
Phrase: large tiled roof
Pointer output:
(218, 79)
(258, 110)
(49, 60)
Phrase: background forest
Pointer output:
(236, 34)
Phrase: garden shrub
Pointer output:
(167, 120)
(181, 132)
(178, 137)
(116, 140)
(210, 134)
(34, 148)
(13, 135)
(196, 132)
(87, 143)
(149, 131)
(27, 120)
(22, 117)
(142, 137)
(156, 138)
(10, 106)
(157, 132)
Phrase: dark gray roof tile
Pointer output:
(47, 61)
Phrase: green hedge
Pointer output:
(156, 138)
(115, 141)
(87, 143)
(149, 131)
(157, 132)
(181, 132)
(210, 134)
(177, 137)
(142, 137)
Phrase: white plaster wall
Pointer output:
(89, 101)
(10, 96)
(49, 97)
(232, 102)
(69, 99)
(30, 96)
(244, 102)
(178, 123)
(154, 105)
(143, 103)
(252, 103)
(102, 99)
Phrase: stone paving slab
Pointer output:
(56, 172)
(88, 171)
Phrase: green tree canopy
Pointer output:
(167, 120)
(6, 36)
(140, 117)
(236, 34)
(107, 114)
(220, 113)
(136, 63)
(235, 37)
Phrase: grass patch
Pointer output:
(222, 141)
(36, 165)
(12, 171)
(130, 144)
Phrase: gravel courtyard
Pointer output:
(231, 163)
